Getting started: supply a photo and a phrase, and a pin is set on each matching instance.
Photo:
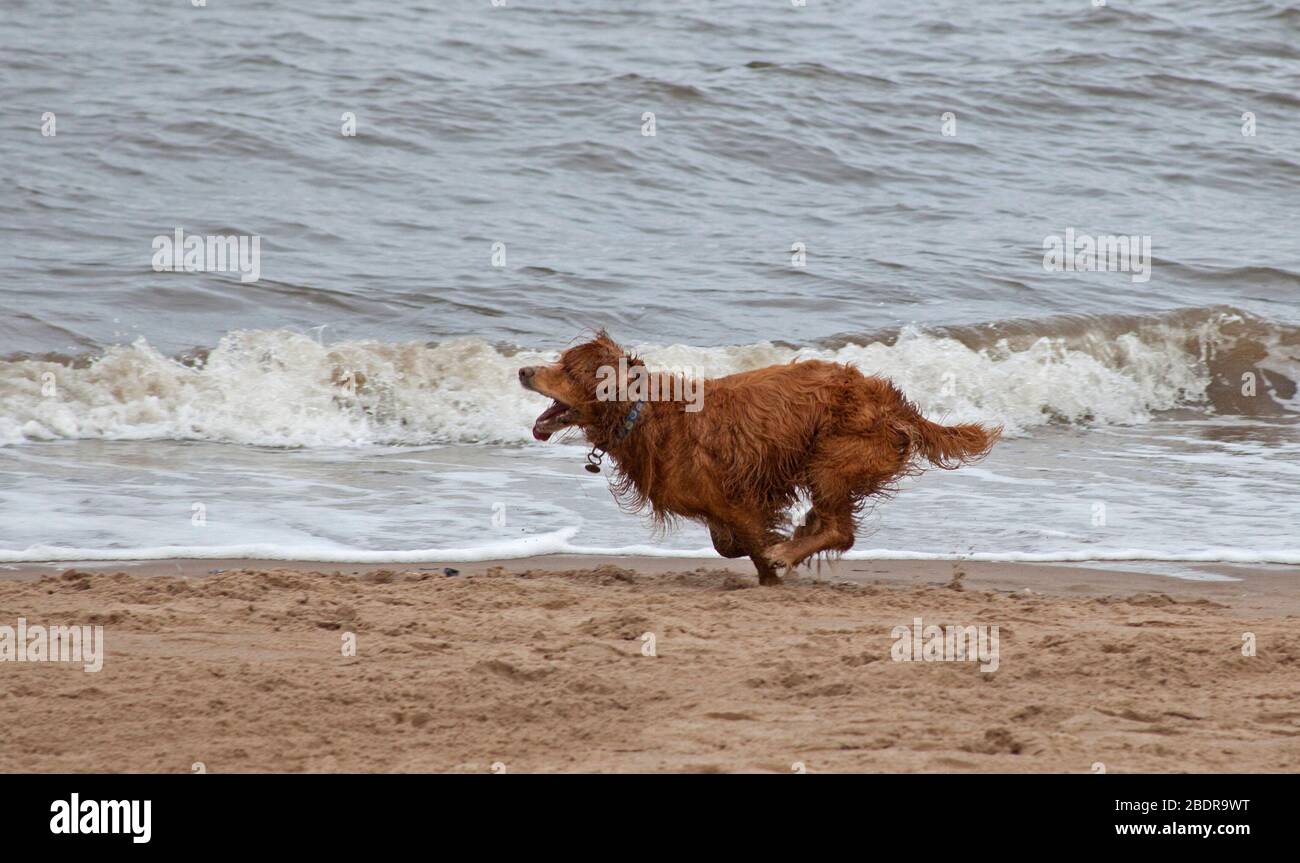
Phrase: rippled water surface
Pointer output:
(521, 129)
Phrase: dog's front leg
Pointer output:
(741, 530)
(725, 542)
(766, 572)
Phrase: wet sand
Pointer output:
(541, 665)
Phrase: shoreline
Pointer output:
(1266, 588)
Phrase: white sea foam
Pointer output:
(281, 388)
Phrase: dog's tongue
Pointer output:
(550, 413)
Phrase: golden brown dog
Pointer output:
(761, 437)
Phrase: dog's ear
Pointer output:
(612, 350)
(603, 339)
(588, 357)
(603, 348)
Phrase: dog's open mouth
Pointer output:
(551, 420)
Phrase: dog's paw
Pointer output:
(780, 555)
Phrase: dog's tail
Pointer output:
(949, 447)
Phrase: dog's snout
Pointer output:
(526, 374)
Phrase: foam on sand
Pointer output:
(558, 542)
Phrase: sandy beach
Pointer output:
(541, 665)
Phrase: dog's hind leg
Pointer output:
(811, 525)
(839, 474)
(832, 530)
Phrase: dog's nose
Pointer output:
(526, 374)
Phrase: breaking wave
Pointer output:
(287, 389)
